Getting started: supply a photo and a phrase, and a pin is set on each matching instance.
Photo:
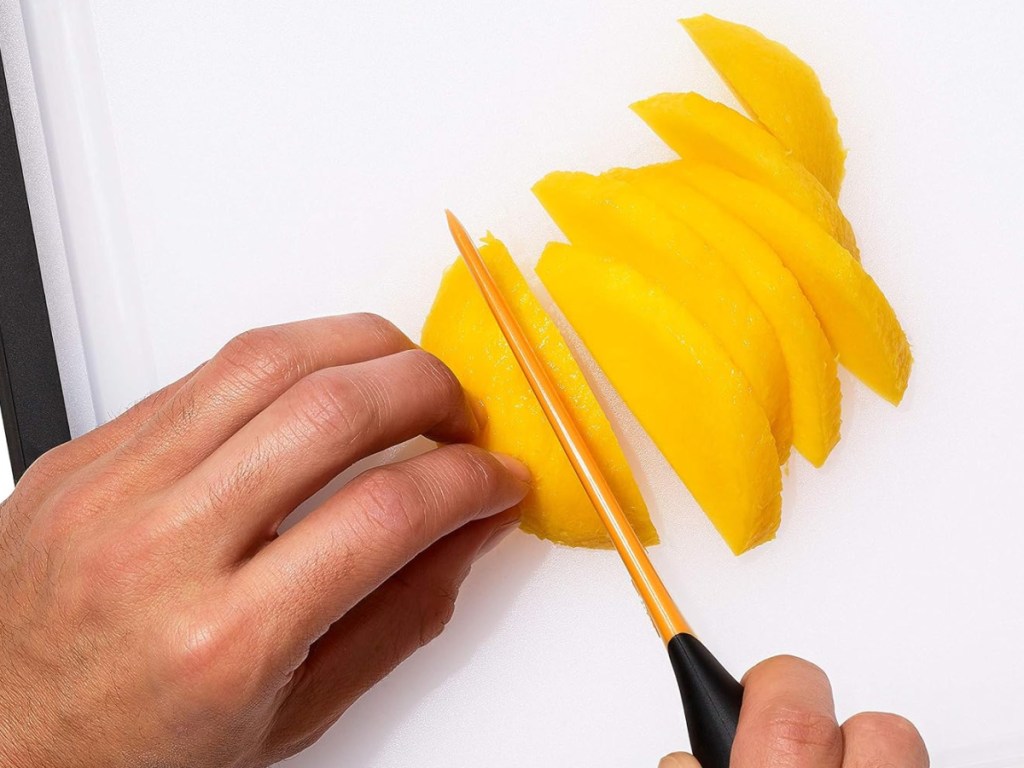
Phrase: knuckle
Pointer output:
(198, 647)
(202, 650)
(330, 402)
(391, 502)
(261, 355)
(75, 502)
(795, 731)
(49, 468)
(50, 464)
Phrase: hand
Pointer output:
(151, 615)
(788, 720)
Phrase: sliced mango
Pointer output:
(704, 131)
(610, 217)
(810, 361)
(858, 320)
(461, 330)
(682, 387)
(779, 90)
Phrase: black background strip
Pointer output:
(31, 398)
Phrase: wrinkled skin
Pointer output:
(151, 615)
(788, 720)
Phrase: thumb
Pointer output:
(679, 760)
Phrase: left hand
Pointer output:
(151, 615)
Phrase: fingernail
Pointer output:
(476, 406)
(515, 467)
(496, 537)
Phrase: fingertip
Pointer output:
(468, 427)
(479, 411)
(872, 736)
(515, 467)
(497, 535)
(679, 760)
(783, 666)
(508, 516)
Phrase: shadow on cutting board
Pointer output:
(496, 582)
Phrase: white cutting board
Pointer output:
(250, 163)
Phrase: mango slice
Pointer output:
(609, 217)
(779, 90)
(462, 332)
(810, 362)
(704, 131)
(858, 320)
(683, 388)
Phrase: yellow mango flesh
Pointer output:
(810, 361)
(682, 387)
(704, 131)
(609, 217)
(857, 318)
(779, 90)
(462, 332)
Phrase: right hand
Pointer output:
(788, 720)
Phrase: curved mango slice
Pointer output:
(779, 90)
(609, 217)
(704, 131)
(682, 387)
(461, 330)
(858, 320)
(810, 361)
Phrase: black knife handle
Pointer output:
(711, 700)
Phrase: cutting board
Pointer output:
(220, 165)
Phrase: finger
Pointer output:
(873, 739)
(321, 426)
(679, 760)
(788, 718)
(318, 570)
(242, 379)
(405, 613)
